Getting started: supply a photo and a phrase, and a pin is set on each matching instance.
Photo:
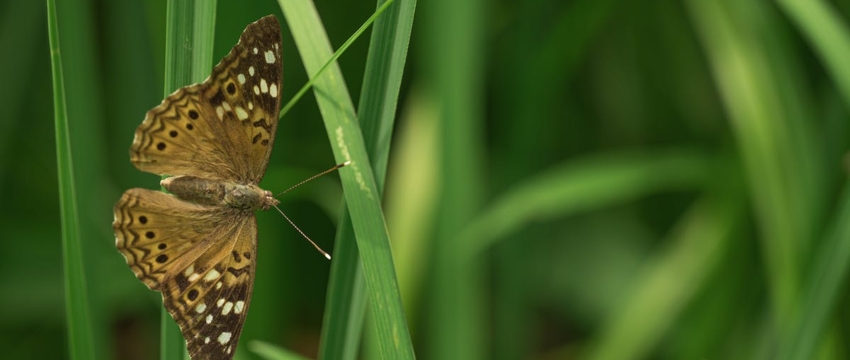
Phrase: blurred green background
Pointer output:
(589, 179)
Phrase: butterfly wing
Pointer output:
(244, 91)
(199, 259)
(153, 230)
(209, 297)
(224, 127)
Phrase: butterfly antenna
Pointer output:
(312, 178)
(303, 234)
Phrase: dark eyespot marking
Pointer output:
(192, 295)
(193, 115)
(160, 146)
(162, 258)
(217, 98)
(247, 255)
(265, 142)
(162, 246)
(262, 123)
(189, 127)
(172, 133)
(236, 257)
(256, 138)
(238, 272)
(231, 89)
(150, 235)
(143, 219)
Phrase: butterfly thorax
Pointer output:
(244, 197)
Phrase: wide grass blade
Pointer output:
(828, 35)
(756, 79)
(671, 279)
(823, 290)
(343, 321)
(188, 59)
(454, 34)
(585, 185)
(76, 302)
(358, 180)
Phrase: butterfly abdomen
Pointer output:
(241, 197)
(195, 189)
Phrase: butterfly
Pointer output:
(198, 244)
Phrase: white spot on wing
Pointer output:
(250, 105)
(239, 306)
(226, 106)
(251, 71)
(194, 277)
(256, 90)
(227, 308)
(212, 275)
(220, 112)
(207, 340)
(255, 51)
(209, 319)
(241, 113)
(241, 78)
(220, 302)
(264, 86)
(201, 307)
(224, 337)
(189, 270)
(273, 90)
(269, 56)
(218, 286)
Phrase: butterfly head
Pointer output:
(268, 200)
(248, 197)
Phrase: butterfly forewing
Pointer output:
(224, 127)
(244, 92)
(216, 138)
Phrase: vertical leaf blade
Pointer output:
(76, 302)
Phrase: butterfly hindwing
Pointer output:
(209, 295)
(153, 230)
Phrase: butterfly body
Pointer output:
(241, 197)
(198, 245)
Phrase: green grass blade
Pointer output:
(189, 39)
(828, 35)
(362, 195)
(82, 76)
(754, 73)
(670, 280)
(346, 299)
(824, 288)
(384, 69)
(585, 185)
(455, 53)
(382, 80)
(76, 302)
(270, 352)
(333, 58)
(188, 60)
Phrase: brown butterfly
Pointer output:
(198, 245)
